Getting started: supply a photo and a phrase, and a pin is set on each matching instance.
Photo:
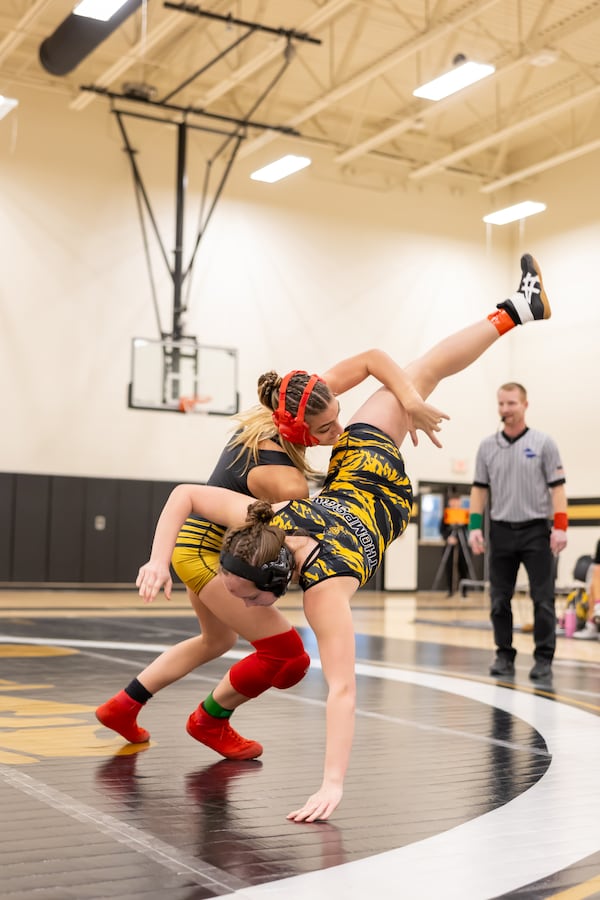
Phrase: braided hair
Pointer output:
(257, 542)
(269, 385)
(257, 424)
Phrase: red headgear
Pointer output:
(293, 428)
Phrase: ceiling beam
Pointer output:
(503, 133)
(317, 20)
(371, 72)
(567, 26)
(405, 124)
(173, 23)
(542, 166)
(19, 32)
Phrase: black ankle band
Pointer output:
(507, 306)
(138, 692)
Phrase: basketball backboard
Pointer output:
(166, 373)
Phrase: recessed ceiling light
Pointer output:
(281, 168)
(512, 213)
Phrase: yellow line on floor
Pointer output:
(14, 650)
(579, 892)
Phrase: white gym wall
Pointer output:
(297, 274)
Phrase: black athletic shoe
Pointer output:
(502, 666)
(542, 670)
(530, 302)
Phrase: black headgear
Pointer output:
(273, 576)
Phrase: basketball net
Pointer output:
(193, 404)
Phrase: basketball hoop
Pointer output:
(193, 404)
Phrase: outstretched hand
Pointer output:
(319, 806)
(151, 578)
(423, 417)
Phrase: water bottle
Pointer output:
(570, 621)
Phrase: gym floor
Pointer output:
(460, 785)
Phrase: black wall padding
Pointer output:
(7, 517)
(65, 529)
(30, 527)
(77, 36)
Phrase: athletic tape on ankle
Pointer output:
(475, 521)
(561, 521)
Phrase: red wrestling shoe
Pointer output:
(120, 714)
(220, 736)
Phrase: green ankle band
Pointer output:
(475, 521)
(215, 709)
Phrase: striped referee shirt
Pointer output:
(519, 473)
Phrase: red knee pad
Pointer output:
(280, 661)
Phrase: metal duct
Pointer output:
(77, 36)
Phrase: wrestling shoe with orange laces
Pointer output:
(530, 301)
(220, 736)
(120, 714)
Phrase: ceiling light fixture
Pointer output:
(461, 76)
(281, 168)
(6, 104)
(512, 213)
(102, 10)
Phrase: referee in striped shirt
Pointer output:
(520, 468)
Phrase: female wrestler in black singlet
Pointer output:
(261, 464)
(331, 544)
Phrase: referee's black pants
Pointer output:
(509, 547)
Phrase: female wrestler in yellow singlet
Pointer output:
(330, 544)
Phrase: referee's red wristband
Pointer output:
(561, 521)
